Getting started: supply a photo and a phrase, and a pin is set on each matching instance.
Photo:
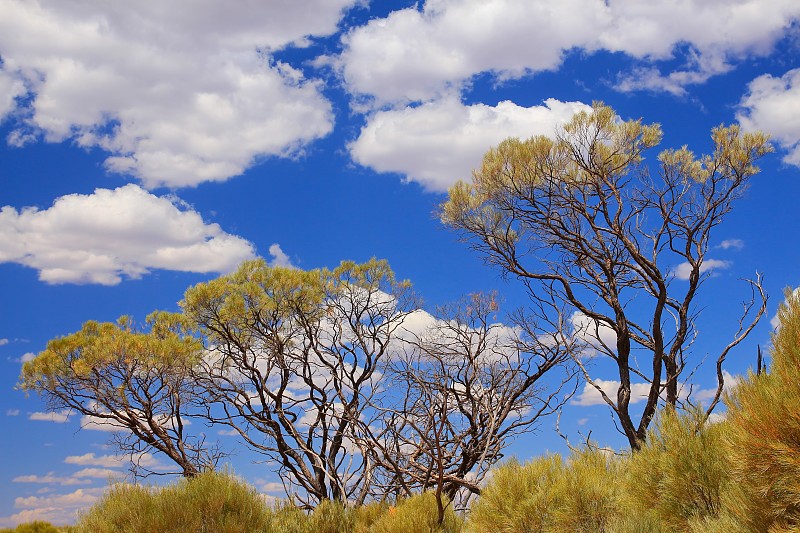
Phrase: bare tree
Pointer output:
(579, 219)
(463, 390)
(292, 366)
(138, 383)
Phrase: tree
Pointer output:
(292, 366)
(580, 220)
(464, 388)
(138, 382)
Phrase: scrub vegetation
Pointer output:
(296, 364)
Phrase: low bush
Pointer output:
(417, 514)
(680, 473)
(213, 503)
(764, 436)
(38, 526)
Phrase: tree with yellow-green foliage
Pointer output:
(137, 382)
(595, 234)
(293, 362)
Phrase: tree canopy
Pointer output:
(613, 244)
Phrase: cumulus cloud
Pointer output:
(279, 257)
(598, 336)
(591, 396)
(772, 104)
(101, 237)
(94, 423)
(177, 93)
(58, 417)
(29, 356)
(10, 88)
(3, 342)
(54, 508)
(90, 459)
(419, 54)
(438, 143)
(684, 270)
(705, 395)
(97, 473)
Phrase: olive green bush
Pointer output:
(550, 495)
(417, 514)
(764, 436)
(209, 502)
(680, 472)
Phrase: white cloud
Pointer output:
(94, 423)
(29, 356)
(438, 143)
(49, 478)
(591, 396)
(178, 93)
(594, 334)
(98, 473)
(735, 244)
(773, 105)
(101, 237)
(59, 417)
(279, 258)
(53, 508)
(10, 88)
(775, 321)
(3, 342)
(90, 459)
(704, 395)
(684, 270)
(12, 412)
(418, 55)
(109, 461)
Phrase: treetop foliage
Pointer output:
(102, 344)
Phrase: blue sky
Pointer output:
(148, 146)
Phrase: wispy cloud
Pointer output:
(684, 270)
(53, 416)
(728, 244)
(50, 479)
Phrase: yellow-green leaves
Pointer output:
(100, 344)
(590, 147)
(733, 157)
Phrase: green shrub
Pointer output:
(366, 515)
(588, 494)
(547, 495)
(764, 436)
(519, 498)
(680, 472)
(285, 517)
(209, 502)
(417, 514)
(332, 517)
(37, 526)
